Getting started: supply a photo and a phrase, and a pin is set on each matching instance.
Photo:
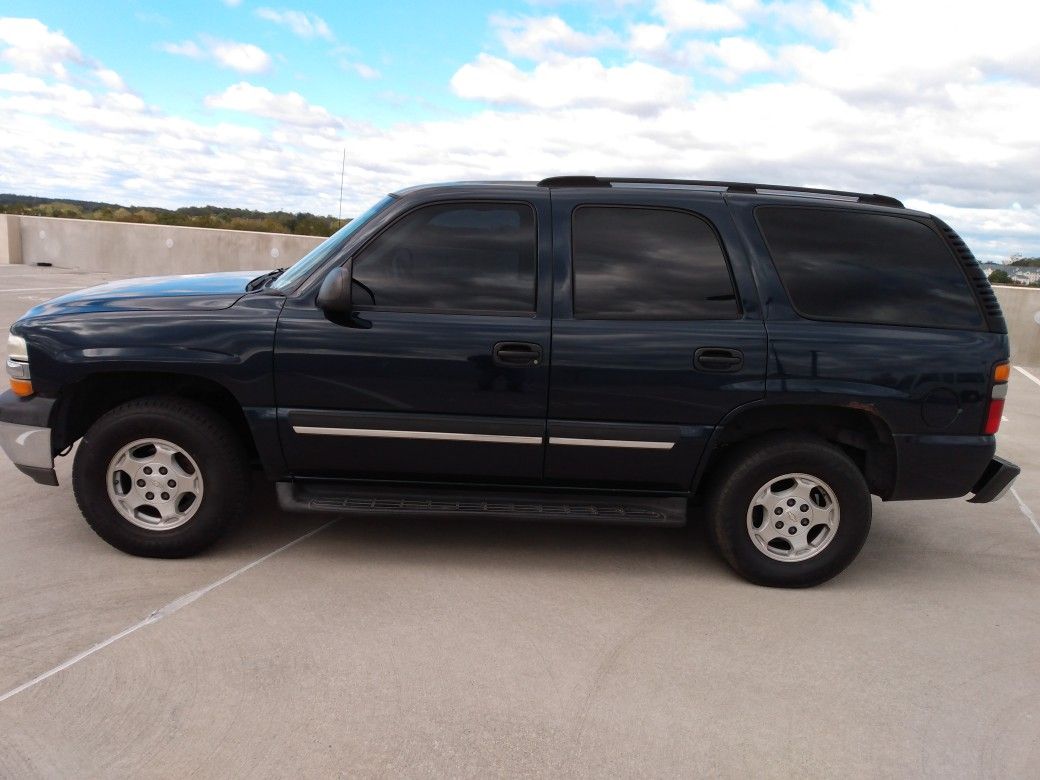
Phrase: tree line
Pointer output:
(1000, 276)
(299, 223)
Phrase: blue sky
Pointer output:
(251, 103)
(414, 47)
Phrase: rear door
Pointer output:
(656, 335)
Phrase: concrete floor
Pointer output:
(463, 648)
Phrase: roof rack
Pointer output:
(726, 186)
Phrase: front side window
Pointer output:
(648, 264)
(327, 248)
(870, 268)
(456, 257)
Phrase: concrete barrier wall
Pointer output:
(10, 239)
(1021, 307)
(127, 249)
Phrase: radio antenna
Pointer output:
(342, 172)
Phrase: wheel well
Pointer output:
(84, 402)
(864, 436)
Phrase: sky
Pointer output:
(252, 104)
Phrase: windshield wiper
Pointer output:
(264, 279)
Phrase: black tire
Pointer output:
(203, 434)
(751, 467)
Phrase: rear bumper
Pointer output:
(939, 466)
(943, 466)
(995, 481)
(25, 435)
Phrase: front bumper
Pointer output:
(995, 481)
(25, 435)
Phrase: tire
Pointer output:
(823, 533)
(197, 447)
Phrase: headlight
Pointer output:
(16, 349)
(18, 365)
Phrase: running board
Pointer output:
(409, 501)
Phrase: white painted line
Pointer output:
(41, 289)
(159, 614)
(1026, 374)
(1022, 508)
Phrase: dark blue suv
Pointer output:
(763, 358)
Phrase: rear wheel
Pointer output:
(789, 511)
(160, 477)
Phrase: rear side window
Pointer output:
(648, 264)
(453, 258)
(871, 268)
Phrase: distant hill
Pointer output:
(1026, 262)
(300, 223)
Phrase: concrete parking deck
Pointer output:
(463, 648)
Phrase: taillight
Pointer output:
(1001, 372)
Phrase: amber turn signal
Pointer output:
(1002, 372)
(22, 387)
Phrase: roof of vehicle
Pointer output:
(703, 185)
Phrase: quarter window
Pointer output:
(459, 257)
(648, 264)
(871, 268)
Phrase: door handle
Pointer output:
(517, 353)
(720, 359)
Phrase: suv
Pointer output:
(581, 348)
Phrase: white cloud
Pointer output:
(811, 17)
(894, 50)
(546, 37)
(232, 3)
(30, 46)
(364, 71)
(289, 107)
(681, 15)
(110, 79)
(572, 82)
(647, 38)
(241, 57)
(938, 109)
(304, 25)
(347, 58)
(184, 49)
(733, 56)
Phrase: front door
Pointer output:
(653, 341)
(447, 378)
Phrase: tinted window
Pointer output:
(302, 268)
(840, 265)
(648, 264)
(455, 257)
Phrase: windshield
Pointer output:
(303, 267)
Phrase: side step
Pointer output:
(410, 500)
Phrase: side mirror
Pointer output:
(335, 292)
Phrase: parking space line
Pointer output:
(159, 614)
(1022, 507)
(1027, 374)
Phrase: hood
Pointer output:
(154, 293)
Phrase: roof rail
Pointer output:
(727, 186)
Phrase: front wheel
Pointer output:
(789, 511)
(160, 477)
